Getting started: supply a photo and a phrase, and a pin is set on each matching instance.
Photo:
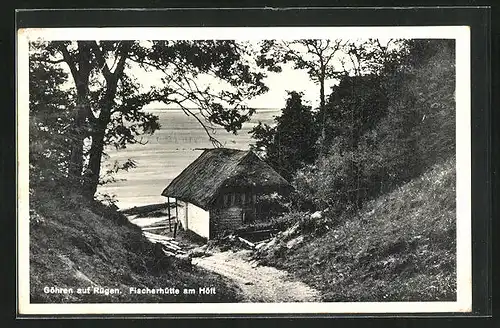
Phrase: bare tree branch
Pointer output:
(42, 60)
(123, 54)
(101, 61)
(216, 143)
(335, 49)
(298, 58)
(69, 61)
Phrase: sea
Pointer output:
(164, 155)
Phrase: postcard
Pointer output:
(244, 170)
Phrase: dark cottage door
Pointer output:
(248, 214)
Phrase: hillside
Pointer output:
(79, 244)
(400, 248)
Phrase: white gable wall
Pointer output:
(195, 219)
(182, 213)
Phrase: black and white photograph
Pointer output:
(244, 170)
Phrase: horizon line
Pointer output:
(180, 108)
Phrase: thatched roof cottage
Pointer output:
(218, 190)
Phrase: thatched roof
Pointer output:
(221, 169)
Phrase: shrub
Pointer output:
(271, 205)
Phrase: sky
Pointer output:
(289, 79)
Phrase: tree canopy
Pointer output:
(108, 100)
(387, 128)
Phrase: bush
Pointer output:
(309, 224)
(304, 197)
(270, 206)
(278, 223)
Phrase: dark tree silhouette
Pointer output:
(291, 142)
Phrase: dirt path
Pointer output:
(258, 283)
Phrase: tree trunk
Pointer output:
(80, 68)
(323, 114)
(106, 105)
(322, 98)
(93, 170)
(79, 133)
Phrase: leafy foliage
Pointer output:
(386, 130)
(50, 116)
(271, 206)
(373, 57)
(354, 107)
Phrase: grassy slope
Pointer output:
(76, 244)
(402, 247)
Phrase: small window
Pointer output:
(237, 199)
(243, 198)
(233, 199)
(226, 200)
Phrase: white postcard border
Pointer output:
(463, 169)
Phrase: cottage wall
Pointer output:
(182, 213)
(231, 210)
(223, 219)
(195, 219)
